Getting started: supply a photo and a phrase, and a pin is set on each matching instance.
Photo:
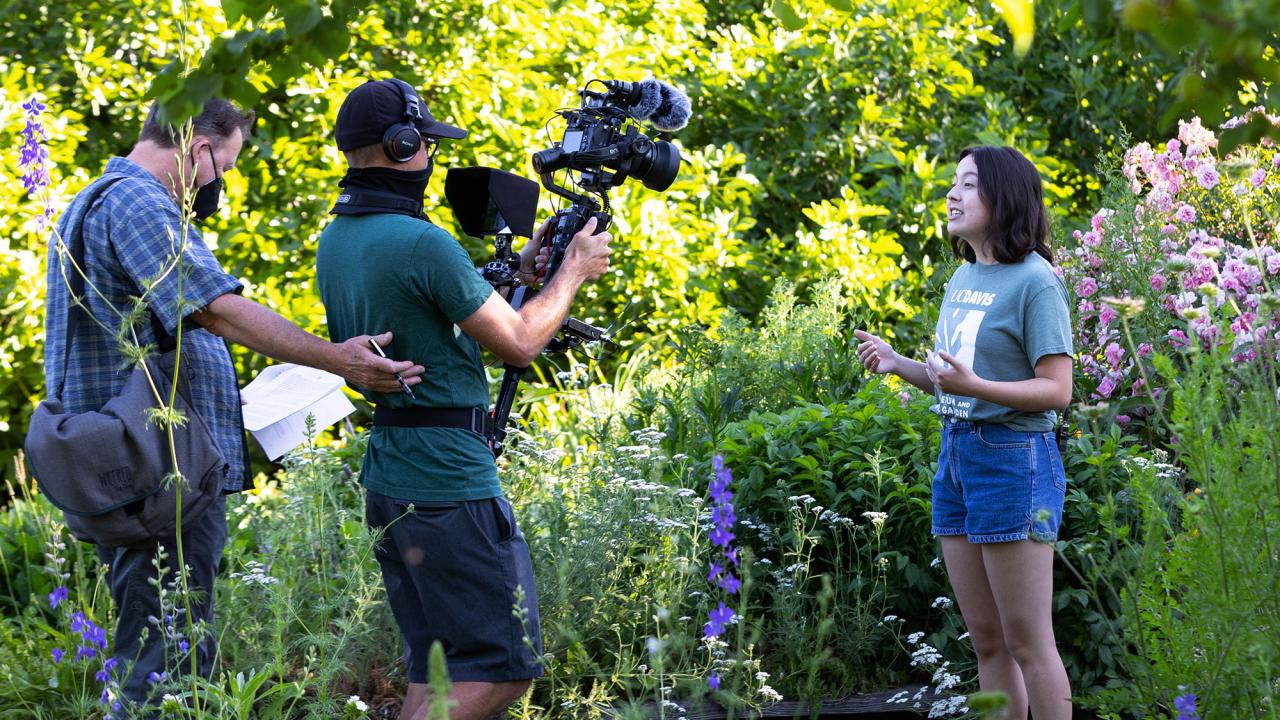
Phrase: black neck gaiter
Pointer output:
(408, 184)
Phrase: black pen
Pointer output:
(399, 379)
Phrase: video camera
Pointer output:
(604, 144)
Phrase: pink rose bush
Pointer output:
(1195, 238)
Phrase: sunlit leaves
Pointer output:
(786, 14)
(1019, 15)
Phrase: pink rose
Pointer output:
(1207, 176)
(1086, 287)
(1157, 282)
(1259, 176)
(1144, 350)
(1169, 229)
(1092, 238)
(1106, 387)
(1106, 316)
(1114, 354)
(1097, 220)
(1161, 200)
(1178, 339)
(1186, 213)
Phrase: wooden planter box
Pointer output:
(868, 706)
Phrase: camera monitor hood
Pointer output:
(486, 201)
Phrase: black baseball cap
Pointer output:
(377, 105)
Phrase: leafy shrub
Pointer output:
(1199, 611)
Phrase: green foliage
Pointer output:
(1200, 611)
(1231, 52)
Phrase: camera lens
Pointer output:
(655, 166)
(550, 160)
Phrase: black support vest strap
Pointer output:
(475, 419)
(360, 201)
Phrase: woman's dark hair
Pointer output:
(1010, 187)
(216, 121)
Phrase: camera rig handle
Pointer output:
(573, 219)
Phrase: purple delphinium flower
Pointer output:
(729, 583)
(1186, 707)
(720, 571)
(104, 675)
(57, 655)
(93, 637)
(716, 621)
(157, 677)
(34, 155)
(57, 596)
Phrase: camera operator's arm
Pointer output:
(517, 337)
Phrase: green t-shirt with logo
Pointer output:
(1000, 320)
(382, 272)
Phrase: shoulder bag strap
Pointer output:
(75, 247)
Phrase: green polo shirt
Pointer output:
(392, 272)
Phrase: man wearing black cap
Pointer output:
(452, 557)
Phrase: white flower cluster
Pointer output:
(954, 705)
(877, 518)
(255, 574)
(770, 695)
(357, 703)
(940, 704)
(925, 655)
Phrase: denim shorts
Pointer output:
(452, 570)
(995, 484)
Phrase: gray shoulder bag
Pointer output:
(111, 471)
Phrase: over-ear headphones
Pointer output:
(401, 141)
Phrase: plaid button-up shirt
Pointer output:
(131, 241)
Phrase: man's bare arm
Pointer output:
(257, 327)
(517, 337)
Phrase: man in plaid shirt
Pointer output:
(134, 248)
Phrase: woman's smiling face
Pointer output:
(967, 216)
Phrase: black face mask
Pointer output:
(408, 184)
(205, 202)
